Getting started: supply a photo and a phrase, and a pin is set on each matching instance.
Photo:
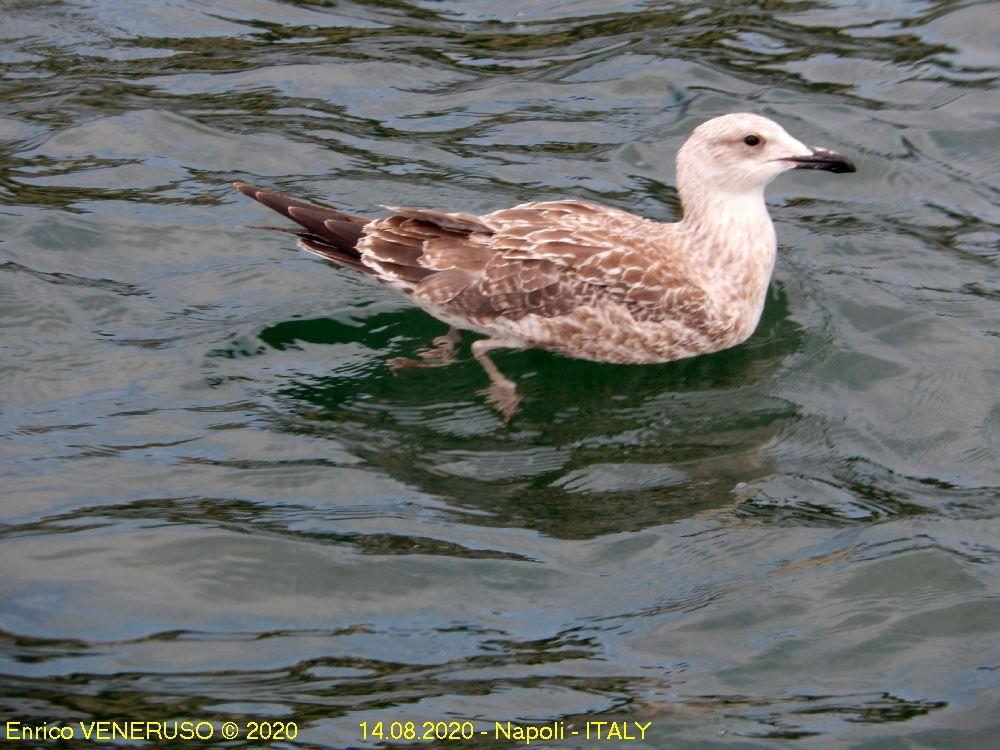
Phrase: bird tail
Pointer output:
(326, 232)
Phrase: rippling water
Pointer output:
(219, 504)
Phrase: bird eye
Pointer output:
(752, 140)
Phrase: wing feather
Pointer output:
(458, 222)
(541, 259)
(551, 257)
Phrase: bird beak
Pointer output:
(821, 158)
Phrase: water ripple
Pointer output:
(221, 504)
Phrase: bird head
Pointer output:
(742, 153)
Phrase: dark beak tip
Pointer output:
(828, 161)
(846, 166)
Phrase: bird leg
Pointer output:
(502, 393)
(444, 348)
(443, 351)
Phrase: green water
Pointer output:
(218, 504)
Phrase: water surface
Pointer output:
(219, 504)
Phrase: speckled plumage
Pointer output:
(586, 280)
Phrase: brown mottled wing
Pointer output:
(539, 258)
(423, 249)
(552, 257)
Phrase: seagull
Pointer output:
(577, 278)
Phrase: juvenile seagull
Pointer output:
(578, 278)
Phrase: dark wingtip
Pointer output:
(284, 205)
(248, 190)
(828, 161)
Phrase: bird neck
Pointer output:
(729, 230)
(733, 248)
(712, 210)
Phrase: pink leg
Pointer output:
(502, 393)
(444, 348)
(443, 351)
